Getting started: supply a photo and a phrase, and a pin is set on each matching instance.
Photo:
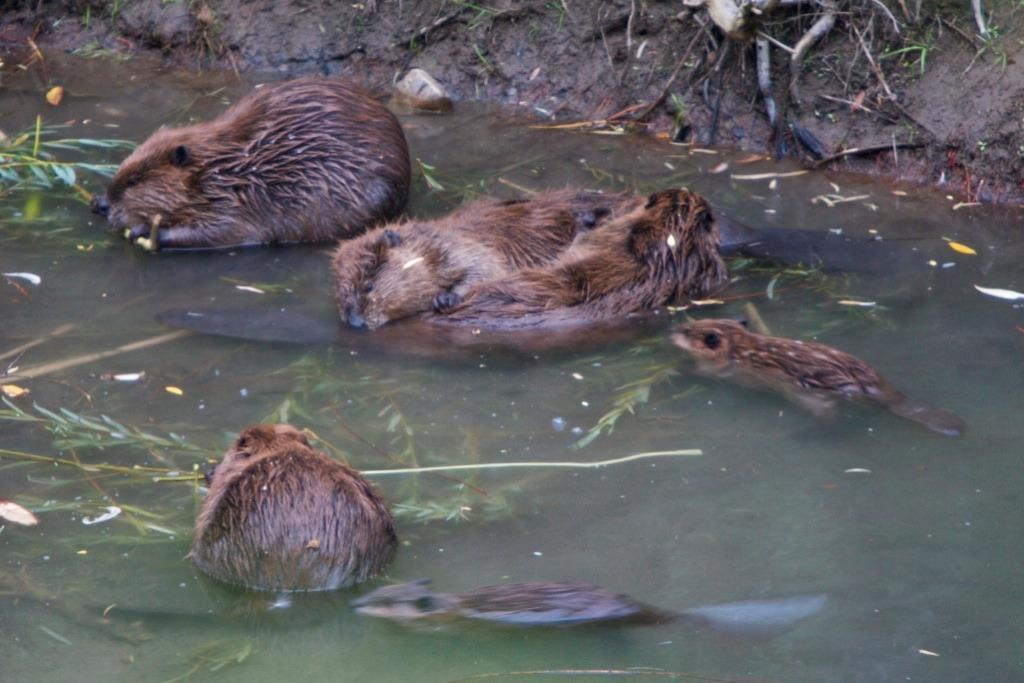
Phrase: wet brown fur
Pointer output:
(661, 252)
(534, 603)
(402, 269)
(307, 160)
(281, 515)
(811, 374)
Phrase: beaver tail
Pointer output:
(938, 420)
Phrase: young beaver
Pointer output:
(812, 375)
(308, 160)
(540, 603)
(407, 268)
(659, 252)
(281, 515)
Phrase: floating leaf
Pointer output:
(54, 95)
(962, 248)
(1007, 294)
(13, 390)
(174, 390)
(13, 512)
(31, 277)
(852, 302)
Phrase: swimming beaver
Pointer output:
(307, 160)
(281, 515)
(661, 252)
(406, 268)
(538, 603)
(812, 375)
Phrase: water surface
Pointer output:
(913, 536)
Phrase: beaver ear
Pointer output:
(744, 322)
(712, 340)
(651, 201)
(179, 156)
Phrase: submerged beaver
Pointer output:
(541, 603)
(308, 160)
(812, 375)
(281, 515)
(660, 252)
(407, 268)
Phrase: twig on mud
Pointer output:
(860, 151)
(671, 79)
(816, 32)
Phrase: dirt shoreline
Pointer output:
(955, 99)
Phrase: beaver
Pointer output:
(281, 515)
(398, 270)
(307, 160)
(663, 251)
(571, 603)
(811, 374)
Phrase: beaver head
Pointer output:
(678, 231)
(252, 444)
(412, 600)
(390, 279)
(157, 182)
(711, 340)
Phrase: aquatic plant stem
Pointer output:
(56, 366)
(537, 464)
(17, 350)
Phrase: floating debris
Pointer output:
(13, 390)
(30, 277)
(852, 302)
(960, 248)
(13, 512)
(1007, 294)
(112, 512)
(247, 288)
(174, 390)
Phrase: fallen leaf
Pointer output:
(174, 390)
(13, 390)
(724, 166)
(54, 95)
(857, 470)
(1007, 294)
(13, 512)
(851, 302)
(313, 544)
(962, 248)
(247, 288)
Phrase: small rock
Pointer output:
(420, 90)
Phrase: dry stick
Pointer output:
(36, 342)
(818, 30)
(979, 18)
(56, 366)
(856, 151)
(671, 79)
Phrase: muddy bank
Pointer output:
(951, 100)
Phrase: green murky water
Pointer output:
(917, 546)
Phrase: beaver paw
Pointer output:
(445, 301)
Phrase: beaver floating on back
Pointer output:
(402, 269)
(812, 375)
(562, 603)
(307, 160)
(662, 251)
(281, 515)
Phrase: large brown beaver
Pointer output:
(812, 375)
(281, 515)
(564, 603)
(307, 160)
(663, 251)
(407, 268)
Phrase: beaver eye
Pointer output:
(132, 181)
(368, 288)
(712, 340)
(425, 604)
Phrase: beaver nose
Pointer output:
(208, 474)
(356, 320)
(100, 205)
